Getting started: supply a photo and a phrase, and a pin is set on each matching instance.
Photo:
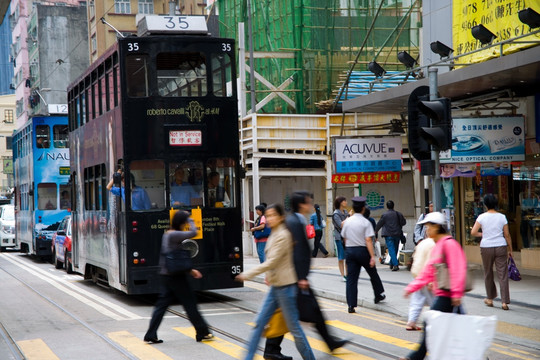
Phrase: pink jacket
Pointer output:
(457, 268)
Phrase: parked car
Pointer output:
(7, 227)
(61, 246)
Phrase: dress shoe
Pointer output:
(351, 310)
(276, 357)
(153, 341)
(338, 343)
(200, 338)
(379, 298)
(395, 268)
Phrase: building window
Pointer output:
(92, 9)
(8, 116)
(146, 6)
(122, 7)
(9, 143)
(93, 41)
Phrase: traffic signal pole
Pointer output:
(436, 185)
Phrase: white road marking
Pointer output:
(98, 303)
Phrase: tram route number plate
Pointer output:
(159, 24)
(185, 138)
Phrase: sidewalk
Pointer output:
(521, 320)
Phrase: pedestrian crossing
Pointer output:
(221, 348)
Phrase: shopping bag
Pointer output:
(310, 231)
(308, 308)
(513, 272)
(276, 326)
(451, 336)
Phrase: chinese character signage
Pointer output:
(185, 138)
(499, 16)
(366, 178)
(358, 155)
(495, 139)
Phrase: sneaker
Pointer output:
(395, 268)
(344, 279)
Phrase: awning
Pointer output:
(519, 72)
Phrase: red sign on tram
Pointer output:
(185, 138)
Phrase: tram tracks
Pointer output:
(16, 350)
(218, 298)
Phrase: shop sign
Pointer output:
(494, 139)
(366, 178)
(373, 154)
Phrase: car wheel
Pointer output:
(57, 264)
(67, 263)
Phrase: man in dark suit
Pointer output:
(302, 206)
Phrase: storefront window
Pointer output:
(475, 190)
(527, 179)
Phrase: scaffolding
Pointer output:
(329, 38)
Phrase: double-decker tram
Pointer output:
(41, 173)
(155, 120)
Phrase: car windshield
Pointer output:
(8, 213)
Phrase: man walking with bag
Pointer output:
(302, 205)
(391, 223)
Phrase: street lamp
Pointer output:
(529, 17)
(406, 59)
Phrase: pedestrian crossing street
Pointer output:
(221, 348)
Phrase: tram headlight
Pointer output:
(236, 249)
(135, 254)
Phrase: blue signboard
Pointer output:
(494, 139)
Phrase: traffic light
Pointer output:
(439, 134)
(418, 146)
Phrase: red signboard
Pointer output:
(366, 178)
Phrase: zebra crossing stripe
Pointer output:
(36, 349)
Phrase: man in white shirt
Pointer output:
(357, 233)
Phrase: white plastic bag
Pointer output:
(451, 336)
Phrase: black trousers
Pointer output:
(318, 245)
(172, 288)
(442, 303)
(357, 257)
(273, 345)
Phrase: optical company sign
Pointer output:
(495, 139)
(356, 155)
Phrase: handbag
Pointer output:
(513, 272)
(276, 326)
(308, 307)
(178, 261)
(310, 231)
(458, 337)
(261, 234)
(402, 238)
(443, 277)
(323, 225)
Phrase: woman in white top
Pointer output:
(495, 247)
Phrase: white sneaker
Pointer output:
(344, 279)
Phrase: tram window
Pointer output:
(65, 197)
(43, 140)
(221, 74)
(137, 75)
(181, 74)
(60, 136)
(220, 182)
(148, 185)
(47, 196)
(186, 184)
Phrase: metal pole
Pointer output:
(436, 190)
(251, 62)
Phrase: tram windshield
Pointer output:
(181, 74)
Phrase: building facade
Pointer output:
(6, 58)
(7, 126)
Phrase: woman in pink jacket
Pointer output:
(446, 250)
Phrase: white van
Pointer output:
(7, 227)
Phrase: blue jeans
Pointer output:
(283, 297)
(260, 250)
(392, 243)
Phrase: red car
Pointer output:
(61, 246)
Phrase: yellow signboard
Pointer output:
(196, 215)
(498, 16)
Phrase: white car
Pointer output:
(7, 226)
